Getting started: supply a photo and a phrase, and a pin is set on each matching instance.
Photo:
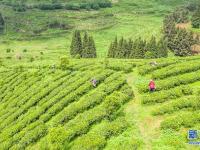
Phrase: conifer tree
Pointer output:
(85, 40)
(85, 49)
(183, 42)
(2, 23)
(196, 18)
(92, 48)
(76, 44)
(162, 48)
(124, 49)
(113, 49)
(170, 31)
(129, 48)
(152, 46)
(139, 48)
(133, 50)
(120, 47)
(110, 51)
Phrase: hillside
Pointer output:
(53, 51)
(130, 18)
(39, 109)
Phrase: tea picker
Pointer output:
(94, 82)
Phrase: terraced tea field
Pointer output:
(175, 103)
(61, 106)
(42, 107)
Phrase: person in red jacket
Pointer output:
(152, 86)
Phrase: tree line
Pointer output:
(55, 4)
(196, 17)
(82, 47)
(179, 41)
(138, 48)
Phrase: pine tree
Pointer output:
(169, 31)
(124, 49)
(85, 47)
(92, 48)
(76, 44)
(85, 40)
(183, 42)
(79, 43)
(110, 51)
(152, 47)
(2, 23)
(162, 48)
(113, 49)
(196, 18)
(120, 48)
(129, 48)
(133, 50)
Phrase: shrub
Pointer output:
(149, 55)
(99, 135)
(72, 6)
(25, 50)
(19, 8)
(120, 66)
(64, 62)
(186, 119)
(49, 6)
(95, 6)
(81, 124)
(146, 69)
(8, 50)
(172, 82)
(176, 105)
(78, 56)
(32, 59)
(166, 95)
(176, 69)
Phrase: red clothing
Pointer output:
(152, 85)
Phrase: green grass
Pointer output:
(128, 18)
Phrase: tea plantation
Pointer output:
(45, 107)
(48, 100)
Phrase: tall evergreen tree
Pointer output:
(137, 48)
(113, 49)
(162, 48)
(110, 51)
(2, 23)
(124, 49)
(196, 18)
(153, 46)
(183, 41)
(133, 52)
(181, 15)
(119, 50)
(92, 48)
(129, 48)
(76, 44)
(169, 30)
(85, 49)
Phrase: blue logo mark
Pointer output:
(192, 134)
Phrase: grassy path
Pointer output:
(147, 124)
